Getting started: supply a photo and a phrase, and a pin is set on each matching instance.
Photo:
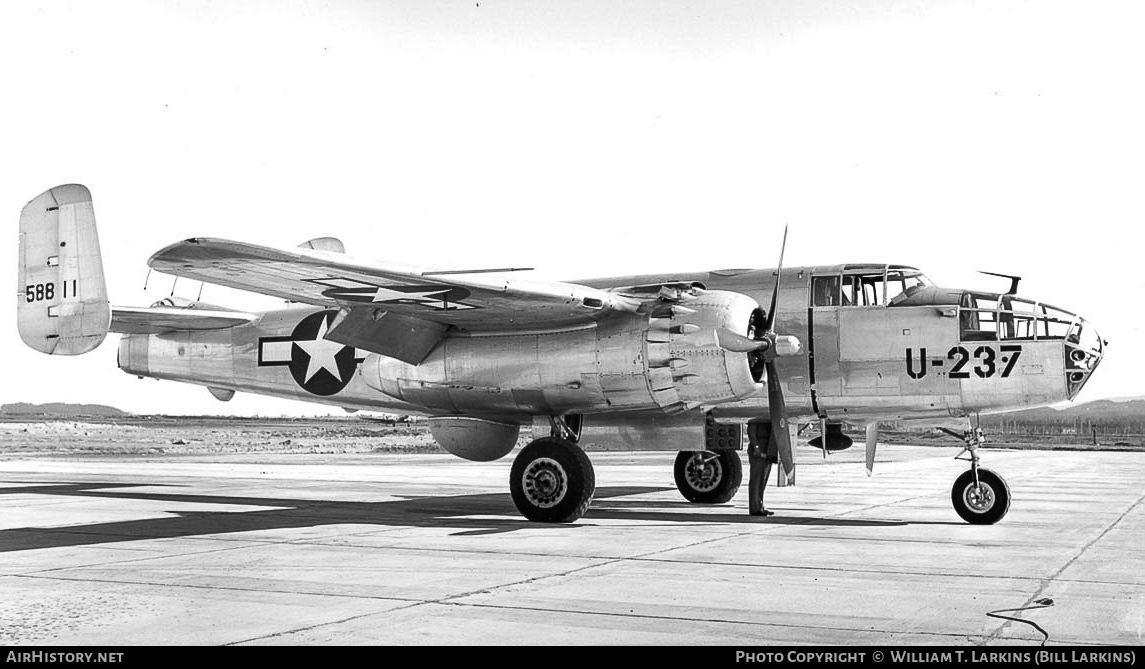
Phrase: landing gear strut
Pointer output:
(552, 480)
(980, 496)
(708, 477)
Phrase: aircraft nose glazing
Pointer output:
(1084, 350)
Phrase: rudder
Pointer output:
(62, 306)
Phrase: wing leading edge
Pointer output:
(473, 302)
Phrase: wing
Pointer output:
(396, 310)
(469, 301)
(153, 320)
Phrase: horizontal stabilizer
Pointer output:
(153, 320)
(62, 306)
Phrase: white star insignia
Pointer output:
(386, 295)
(321, 354)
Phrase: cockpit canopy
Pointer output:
(982, 316)
(867, 286)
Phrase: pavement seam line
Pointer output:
(126, 561)
(1052, 578)
(719, 620)
(194, 586)
(440, 600)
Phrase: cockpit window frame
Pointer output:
(874, 285)
(823, 293)
(1005, 318)
(853, 290)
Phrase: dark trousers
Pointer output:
(762, 453)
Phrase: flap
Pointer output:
(394, 335)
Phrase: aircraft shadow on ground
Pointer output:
(467, 513)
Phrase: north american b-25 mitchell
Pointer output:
(680, 362)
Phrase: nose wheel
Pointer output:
(983, 501)
(979, 496)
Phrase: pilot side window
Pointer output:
(862, 290)
(825, 291)
(902, 284)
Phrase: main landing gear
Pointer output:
(552, 480)
(708, 477)
(980, 496)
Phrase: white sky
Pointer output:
(585, 139)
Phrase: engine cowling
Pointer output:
(666, 356)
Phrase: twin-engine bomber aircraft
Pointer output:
(684, 362)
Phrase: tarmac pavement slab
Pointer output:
(429, 549)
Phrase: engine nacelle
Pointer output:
(474, 438)
(667, 356)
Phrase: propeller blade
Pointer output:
(730, 341)
(872, 442)
(770, 325)
(777, 409)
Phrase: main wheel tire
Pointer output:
(552, 481)
(708, 477)
(984, 504)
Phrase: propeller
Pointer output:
(737, 343)
(776, 406)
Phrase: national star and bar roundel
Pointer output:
(319, 366)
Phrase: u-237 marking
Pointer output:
(987, 358)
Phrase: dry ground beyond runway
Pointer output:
(428, 549)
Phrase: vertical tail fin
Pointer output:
(62, 306)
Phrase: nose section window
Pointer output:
(991, 317)
(978, 318)
(1087, 337)
(1016, 318)
(1083, 355)
(1055, 323)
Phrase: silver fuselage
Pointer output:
(858, 363)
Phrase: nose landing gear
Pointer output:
(979, 496)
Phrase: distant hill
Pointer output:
(1096, 410)
(1107, 416)
(59, 409)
